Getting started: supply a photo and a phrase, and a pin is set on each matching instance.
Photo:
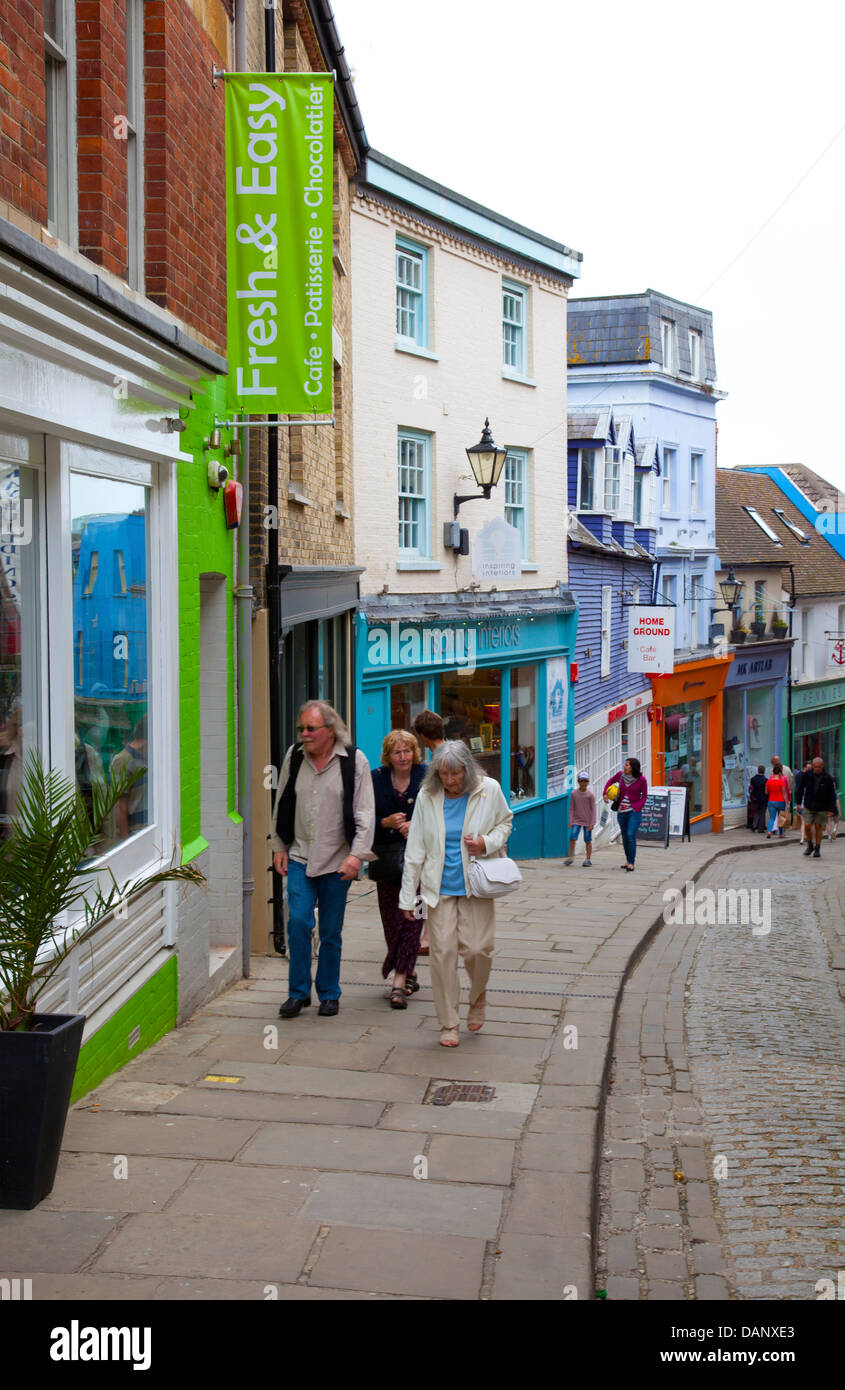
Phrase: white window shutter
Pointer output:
(627, 500)
(606, 594)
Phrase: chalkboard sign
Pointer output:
(679, 799)
(654, 824)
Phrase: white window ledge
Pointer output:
(294, 495)
(418, 565)
(341, 509)
(408, 345)
(508, 374)
(528, 567)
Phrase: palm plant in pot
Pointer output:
(51, 901)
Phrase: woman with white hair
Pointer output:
(459, 813)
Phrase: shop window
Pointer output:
(20, 629)
(471, 708)
(407, 700)
(736, 751)
(685, 751)
(523, 731)
(109, 520)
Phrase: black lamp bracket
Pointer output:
(484, 495)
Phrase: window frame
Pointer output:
(519, 293)
(521, 457)
(424, 441)
(597, 458)
(669, 345)
(606, 626)
(414, 251)
(696, 585)
(696, 344)
(60, 128)
(669, 478)
(696, 474)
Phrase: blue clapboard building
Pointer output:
(612, 479)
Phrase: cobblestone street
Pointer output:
(722, 1159)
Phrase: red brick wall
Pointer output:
(101, 155)
(23, 148)
(185, 144)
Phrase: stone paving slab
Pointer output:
(334, 1147)
(543, 1268)
(178, 1136)
(323, 1081)
(83, 1288)
(54, 1242)
(405, 1204)
(257, 1105)
(261, 1246)
(94, 1182)
(215, 1188)
(478, 1121)
(426, 1266)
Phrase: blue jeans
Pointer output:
(328, 892)
(774, 807)
(629, 823)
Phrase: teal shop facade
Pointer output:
(499, 674)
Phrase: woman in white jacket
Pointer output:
(459, 812)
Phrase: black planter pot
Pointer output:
(36, 1078)
(737, 637)
(758, 629)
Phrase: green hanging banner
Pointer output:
(279, 188)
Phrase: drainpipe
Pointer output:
(243, 596)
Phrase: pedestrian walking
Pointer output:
(800, 779)
(431, 732)
(777, 761)
(757, 799)
(322, 829)
(819, 806)
(631, 796)
(395, 787)
(459, 812)
(582, 817)
(777, 791)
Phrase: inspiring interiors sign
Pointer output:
(279, 175)
(651, 639)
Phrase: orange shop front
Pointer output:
(686, 747)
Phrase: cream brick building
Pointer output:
(459, 315)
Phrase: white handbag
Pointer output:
(491, 878)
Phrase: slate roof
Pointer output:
(626, 328)
(583, 538)
(740, 541)
(584, 423)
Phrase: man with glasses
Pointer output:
(322, 830)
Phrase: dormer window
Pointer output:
(670, 355)
(695, 354)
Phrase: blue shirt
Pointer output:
(454, 813)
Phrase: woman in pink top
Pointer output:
(629, 803)
(777, 790)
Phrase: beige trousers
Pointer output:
(465, 927)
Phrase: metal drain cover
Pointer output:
(460, 1090)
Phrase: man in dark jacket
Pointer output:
(819, 805)
(757, 798)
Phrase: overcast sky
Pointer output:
(657, 140)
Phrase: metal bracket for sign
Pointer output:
(222, 72)
(649, 603)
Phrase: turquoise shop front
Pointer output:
(498, 674)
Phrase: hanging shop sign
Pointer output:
(651, 639)
(497, 552)
(279, 179)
